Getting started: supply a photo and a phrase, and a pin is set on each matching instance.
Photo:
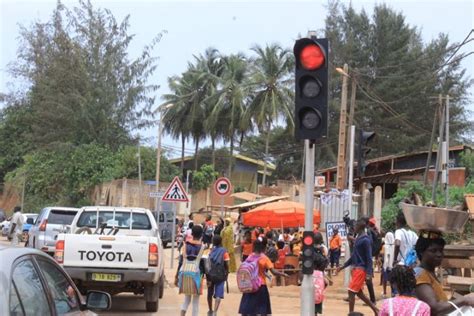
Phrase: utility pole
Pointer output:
(439, 153)
(430, 148)
(341, 155)
(446, 183)
(347, 272)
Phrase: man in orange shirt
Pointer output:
(335, 244)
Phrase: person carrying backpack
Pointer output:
(251, 281)
(190, 271)
(216, 275)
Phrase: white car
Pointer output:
(114, 249)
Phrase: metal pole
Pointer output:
(222, 206)
(447, 152)
(173, 237)
(347, 272)
(307, 288)
(157, 176)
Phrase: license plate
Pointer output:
(106, 277)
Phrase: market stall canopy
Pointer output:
(248, 205)
(279, 214)
(246, 196)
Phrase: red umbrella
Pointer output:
(279, 214)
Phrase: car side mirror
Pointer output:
(30, 221)
(98, 300)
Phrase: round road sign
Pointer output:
(222, 186)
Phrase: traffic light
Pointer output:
(308, 252)
(363, 150)
(311, 88)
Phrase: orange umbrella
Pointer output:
(279, 214)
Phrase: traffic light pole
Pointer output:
(307, 288)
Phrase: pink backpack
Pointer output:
(318, 281)
(248, 279)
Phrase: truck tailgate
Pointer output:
(127, 252)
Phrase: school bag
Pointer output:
(215, 267)
(318, 281)
(248, 280)
(189, 276)
(411, 257)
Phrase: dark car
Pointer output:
(33, 283)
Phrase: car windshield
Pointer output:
(61, 217)
(114, 219)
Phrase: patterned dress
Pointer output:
(228, 243)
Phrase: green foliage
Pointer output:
(63, 174)
(127, 165)
(203, 178)
(221, 157)
(467, 161)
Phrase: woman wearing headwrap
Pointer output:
(228, 243)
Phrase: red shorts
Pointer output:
(357, 280)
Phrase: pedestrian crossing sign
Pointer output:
(175, 192)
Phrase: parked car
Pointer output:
(51, 221)
(33, 283)
(114, 249)
(29, 219)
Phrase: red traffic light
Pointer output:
(308, 240)
(312, 57)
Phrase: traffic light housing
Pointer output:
(363, 150)
(311, 88)
(308, 252)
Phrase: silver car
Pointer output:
(50, 222)
(33, 283)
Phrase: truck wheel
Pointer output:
(152, 306)
(151, 296)
(165, 243)
(161, 289)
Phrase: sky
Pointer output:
(229, 26)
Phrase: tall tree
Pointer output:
(272, 97)
(84, 87)
(231, 99)
(397, 75)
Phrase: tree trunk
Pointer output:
(196, 150)
(213, 147)
(267, 139)
(183, 142)
(231, 156)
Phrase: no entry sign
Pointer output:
(222, 186)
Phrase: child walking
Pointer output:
(320, 282)
(405, 303)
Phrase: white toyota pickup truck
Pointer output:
(115, 249)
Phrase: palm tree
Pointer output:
(272, 97)
(230, 99)
(174, 120)
(211, 67)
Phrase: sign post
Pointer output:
(174, 193)
(222, 187)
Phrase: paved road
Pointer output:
(285, 300)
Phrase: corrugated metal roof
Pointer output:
(259, 202)
(390, 157)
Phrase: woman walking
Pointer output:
(258, 303)
(228, 243)
(189, 276)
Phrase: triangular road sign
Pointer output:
(175, 192)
